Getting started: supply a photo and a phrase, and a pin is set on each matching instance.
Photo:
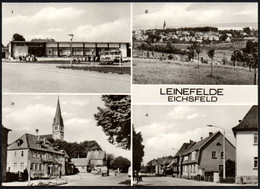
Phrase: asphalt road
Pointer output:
(46, 78)
(170, 181)
(88, 179)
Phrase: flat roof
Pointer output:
(64, 42)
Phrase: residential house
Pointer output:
(93, 160)
(36, 154)
(246, 133)
(81, 164)
(4, 151)
(205, 157)
(177, 159)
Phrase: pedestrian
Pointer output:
(25, 173)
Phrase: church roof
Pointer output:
(249, 122)
(58, 118)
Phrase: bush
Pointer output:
(170, 57)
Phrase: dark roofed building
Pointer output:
(37, 154)
(246, 133)
(4, 151)
(204, 157)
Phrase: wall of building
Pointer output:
(207, 163)
(15, 157)
(245, 153)
(4, 152)
(20, 51)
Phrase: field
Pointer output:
(154, 71)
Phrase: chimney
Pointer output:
(191, 141)
(38, 137)
(210, 134)
(201, 138)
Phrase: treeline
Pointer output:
(247, 55)
(165, 48)
(191, 29)
(74, 149)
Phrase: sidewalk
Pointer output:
(40, 182)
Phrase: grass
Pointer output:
(103, 69)
(148, 71)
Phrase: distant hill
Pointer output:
(74, 149)
(221, 26)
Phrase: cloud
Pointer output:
(184, 112)
(77, 102)
(117, 31)
(190, 14)
(77, 122)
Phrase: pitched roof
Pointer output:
(33, 142)
(48, 136)
(249, 122)
(96, 155)
(183, 148)
(80, 161)
(198, 145)
(58, 118)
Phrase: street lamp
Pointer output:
(71, 38)
(224, 150)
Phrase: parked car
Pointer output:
(110, 56)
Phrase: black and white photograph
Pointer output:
(195, 43)
(197, 145)
(66, 47)
(66, 140)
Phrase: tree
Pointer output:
(18, 37)
(247, 30)
(211, 53)
(138, 150)
(122, 163)
(198, 50)
(74, 149)
(115, 119)
(110, 161)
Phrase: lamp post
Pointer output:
(224, 149)
(71, 38)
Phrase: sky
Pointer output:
(31, 112)
(166, 128)
(93, 22)
(192, 14)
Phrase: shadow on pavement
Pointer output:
(126, 182)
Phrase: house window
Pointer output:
(22, 166)
(193, 155)
(33, 154)
(255, 162)
(255, 138)
(56, 127)
(15, 166)
(22, 153)
(214, 155)
(222, 155)
(32, 166)
(15, 154)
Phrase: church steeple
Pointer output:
(164, 25)
(57, 126)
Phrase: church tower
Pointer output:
(57, 126)
(164, 25)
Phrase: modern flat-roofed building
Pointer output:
(63, 48)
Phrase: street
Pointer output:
(88, 179)
(81, 179)
(171, 181)
(46, 78)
